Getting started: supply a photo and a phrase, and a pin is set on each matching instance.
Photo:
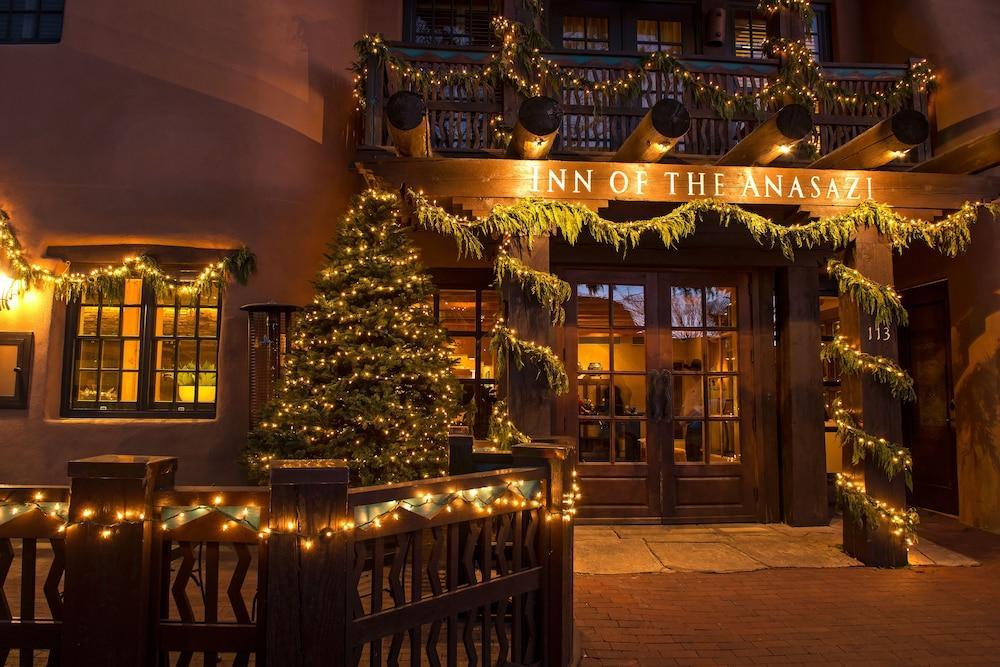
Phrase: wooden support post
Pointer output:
(529, 403)
(557, 586)
(406, 115)
(309, 572)
(656, 134)
(803, 452)
(538, 122)
(374, 84)
(772, 138)
(107, 610)
(460, 455)
(878, 145)
(973, 156)
(879, 412)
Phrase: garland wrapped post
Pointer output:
(880, 301)
(884, 370)
(855, 501)
(549, 291)
(502, 431)
(891, 458)
(507, 349)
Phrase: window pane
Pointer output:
(670, 32)
(133, 292)
(592, 305)
(209, 297)
(8, 377)
(463, 350)
(165, 354)
(206, 387)
(597, 28)
(163, 388)
(109, 386)
(722, 396)
(111, 352)
(724, 442)
(164, 321)
(130, 355)
(630, 351)
(87, 386)
(645, 31)
(595, 441)
(487, 370)
(630, 440)
(187, 354)
(720, 305)
(629, 307)
(630, 395)
(88, 321)
(573, 27)
(130, 321)
(593, 351)
(109, 320)
(721, 351)
(458, 310)
(685, 306)
(689, 398)
(185, 321)
(186, 382)
(689, 441)
(208, 351)
(88, 354)
(130, 387)
(592, 394)
(687, 348)
(208, 322)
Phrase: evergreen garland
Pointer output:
(856, 503)
(507, 349)
(880, 301)
(110, 280)
(884, 370)
(892, 458)
(548, 290)
(433, 218)
(502, 431)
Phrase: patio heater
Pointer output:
(269, 343)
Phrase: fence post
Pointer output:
(309, 564)
(557, 588)
(460, 455)
(109, 544)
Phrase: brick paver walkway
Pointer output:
(850, 616)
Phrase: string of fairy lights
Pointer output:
(886, 371)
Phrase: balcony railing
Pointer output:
(460, 117)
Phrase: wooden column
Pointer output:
(107, 611)
(309, 574)
(529, 402)
(880, 413)
(538, 121)
(803, 453)
(557, 547)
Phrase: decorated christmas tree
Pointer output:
(368, 378)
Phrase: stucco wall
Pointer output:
(209, 124)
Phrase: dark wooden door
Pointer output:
(925, 350)
(709, 444)
(661, 396)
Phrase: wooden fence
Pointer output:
(125, 568)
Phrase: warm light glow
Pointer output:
(10, 291)
(784, 149)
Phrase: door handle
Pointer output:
(667, 395)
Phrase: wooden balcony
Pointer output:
(460, 118)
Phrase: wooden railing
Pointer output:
(467, 569)
(459, 118)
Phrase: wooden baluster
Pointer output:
(29, 553)
(454, 539)
(416, 592)
(378, 564)
(211, 592)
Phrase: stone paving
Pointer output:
(758, 607)
(726, 548)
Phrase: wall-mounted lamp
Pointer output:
(10, 291)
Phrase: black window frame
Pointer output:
(43, 9)
(25, 343)
(823, 33)
(752, 12)
(432, 39)
(145, 407)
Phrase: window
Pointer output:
(15, 368)
(653, 35)
(611, 373)
(818, 34)
(31, 21)
(139, 352)
(587, 33)
(705, 374)
(468, 316)
(454, 22)
(749, 33)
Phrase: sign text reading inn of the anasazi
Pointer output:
(488, 179)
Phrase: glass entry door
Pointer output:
(659, 367)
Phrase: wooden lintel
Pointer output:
(652, 182)
(973, 156)
(772, 138)
(880, 144)
(656, 134)
(538, 122)
(406, 116)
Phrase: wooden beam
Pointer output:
(973, 156)
(656, 134)
(772, 138)
(880, 144)
(538, 122)
(406, 116)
